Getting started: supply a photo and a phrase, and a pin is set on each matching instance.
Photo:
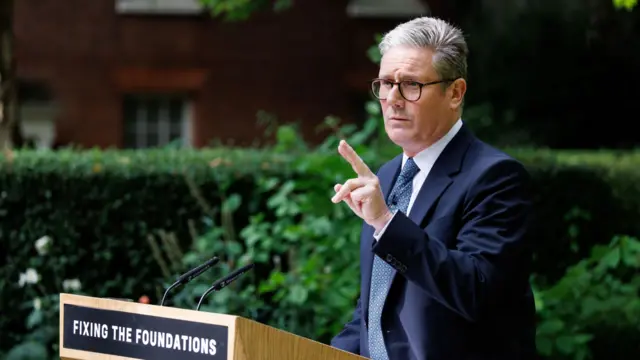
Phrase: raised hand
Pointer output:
(363, 193)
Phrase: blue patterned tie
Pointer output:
(382, 273)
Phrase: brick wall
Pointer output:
(303, 64)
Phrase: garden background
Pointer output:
(550, 83)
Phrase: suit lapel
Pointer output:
(440, 177)
(431, 190)
(387, 176)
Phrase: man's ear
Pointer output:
(458, 88)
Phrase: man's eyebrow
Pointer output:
(413, 77)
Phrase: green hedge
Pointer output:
(125, 222)
(101, 209)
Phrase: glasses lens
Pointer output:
(375, 88)
(410, 90)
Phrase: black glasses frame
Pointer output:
(394, 83)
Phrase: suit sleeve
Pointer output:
(491, 240)
(349, 338)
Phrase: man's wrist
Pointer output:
(380, 223)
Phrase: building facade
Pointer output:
(142, 73)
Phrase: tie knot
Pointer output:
(410, 169)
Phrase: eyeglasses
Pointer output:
(410, 90)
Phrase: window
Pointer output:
(170, 7)
(38, 110)
(156, 121)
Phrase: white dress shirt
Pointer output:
(425, 160)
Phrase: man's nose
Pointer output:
(394, 97)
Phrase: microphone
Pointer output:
(190, 275)
(222, 283)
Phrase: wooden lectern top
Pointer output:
(99, 329)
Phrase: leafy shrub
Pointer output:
(598, 297)
(125, 223)
(101, 212)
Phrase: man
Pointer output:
(444, 249)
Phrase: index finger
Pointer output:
(354, 159)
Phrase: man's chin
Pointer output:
(400, 137)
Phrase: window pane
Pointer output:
(129, 113)
(177, 111)
(151, 121)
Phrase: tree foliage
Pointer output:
(625, 4)
(237, 10)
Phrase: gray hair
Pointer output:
(447, 42)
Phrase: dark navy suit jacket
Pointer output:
(462, 257)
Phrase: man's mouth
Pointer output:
(398, 118)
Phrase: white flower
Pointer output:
(42, 245)
(30, 276)
(37, 304)
(71, 285)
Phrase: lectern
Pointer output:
(96, 329)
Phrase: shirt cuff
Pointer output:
(378, 235)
